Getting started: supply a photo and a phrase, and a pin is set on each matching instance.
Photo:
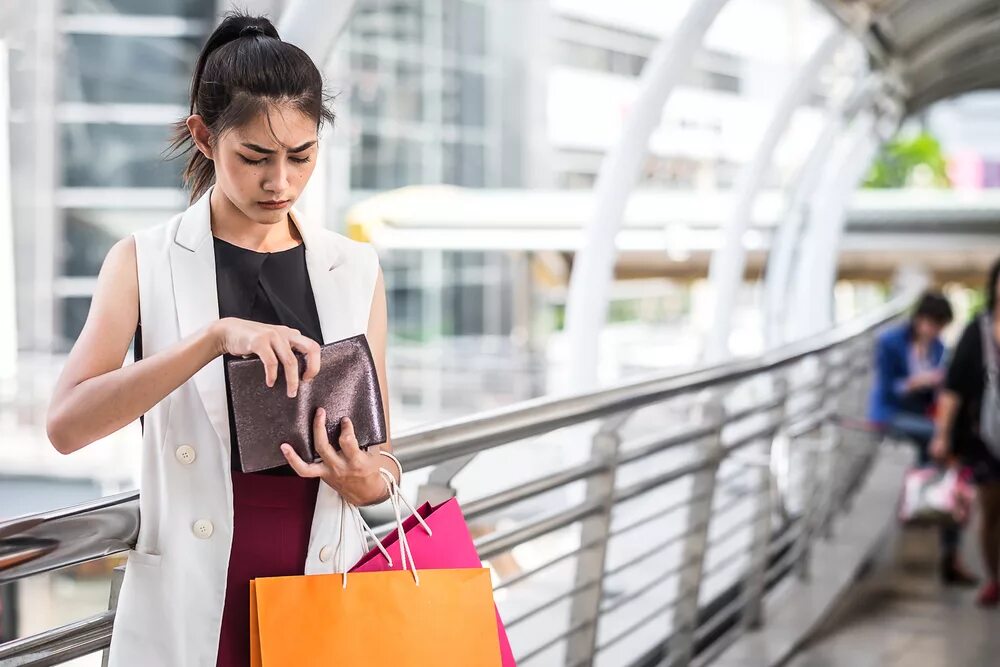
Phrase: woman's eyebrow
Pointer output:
(261, 149)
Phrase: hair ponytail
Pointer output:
(243, 69)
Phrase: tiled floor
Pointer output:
(901, 616)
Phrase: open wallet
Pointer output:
(346, 386)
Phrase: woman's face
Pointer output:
(270, 159)
(927, 329)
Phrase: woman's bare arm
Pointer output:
(947, 407)
(95, 396)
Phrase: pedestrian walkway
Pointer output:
(899, 615)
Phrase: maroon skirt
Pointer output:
(272, 519)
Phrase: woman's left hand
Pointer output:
(351, 472)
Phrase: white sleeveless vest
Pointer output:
(170, 605)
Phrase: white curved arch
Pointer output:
(816, 269)
(298, 25)
(725, 274)
(590, 281)
(788, 236)
(315, 25)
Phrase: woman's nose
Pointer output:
(277, 179)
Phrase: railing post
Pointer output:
(811, 499)
(585, 610)
(438, 487)
(856, 392)
(816, 480)
(117, 576)
(685, 621)
(753, 615)
(829, 452)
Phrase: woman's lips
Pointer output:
(273, 205)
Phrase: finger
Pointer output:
(301, 468)
(289, 364)
(322, 442)
(266, 354)
(349, 442)
(310, 349)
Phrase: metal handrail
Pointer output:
(36, 544)
(436, 444)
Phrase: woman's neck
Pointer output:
(230, 224)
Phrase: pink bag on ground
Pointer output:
(450, 547)
(934, 495)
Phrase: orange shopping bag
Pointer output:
(397, 618)
(378, 618)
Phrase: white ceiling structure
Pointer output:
(939, 48)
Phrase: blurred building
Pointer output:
(477, 93)
(95, 85)
(711, 124)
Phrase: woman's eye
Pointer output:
(249, 161)
(300, 160)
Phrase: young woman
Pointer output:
(238, 273)
(957, 429)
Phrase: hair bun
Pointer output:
(252, 29)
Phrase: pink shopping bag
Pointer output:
(450, 547)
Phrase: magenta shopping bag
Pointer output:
(450, 547)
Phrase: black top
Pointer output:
(268, 287)
(967, 378)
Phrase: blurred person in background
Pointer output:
(957, 435)
(908, 373)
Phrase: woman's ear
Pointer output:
(200, 134)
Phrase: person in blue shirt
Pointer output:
(909, 369)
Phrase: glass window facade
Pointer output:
(464, 98)
(397, 20)
(200, 9)
(464, 164)
(420, 75)
(118, 156)
(474, 297)
(464, 30)
(72, 316)
(127, 69)
(107, 72)
(384, 162)
(712, 71)
(90, 233)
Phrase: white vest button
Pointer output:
(186, 454)
(325, 553)
(203, 528)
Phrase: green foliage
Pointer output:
(903, 156)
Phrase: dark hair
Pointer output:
(245, 69)
(991, 287)
(934, 307)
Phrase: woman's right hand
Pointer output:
(274, 344)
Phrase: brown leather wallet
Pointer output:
(346, 386)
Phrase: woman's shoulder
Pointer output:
(342, 248)
(973, 328)
(159, 233)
